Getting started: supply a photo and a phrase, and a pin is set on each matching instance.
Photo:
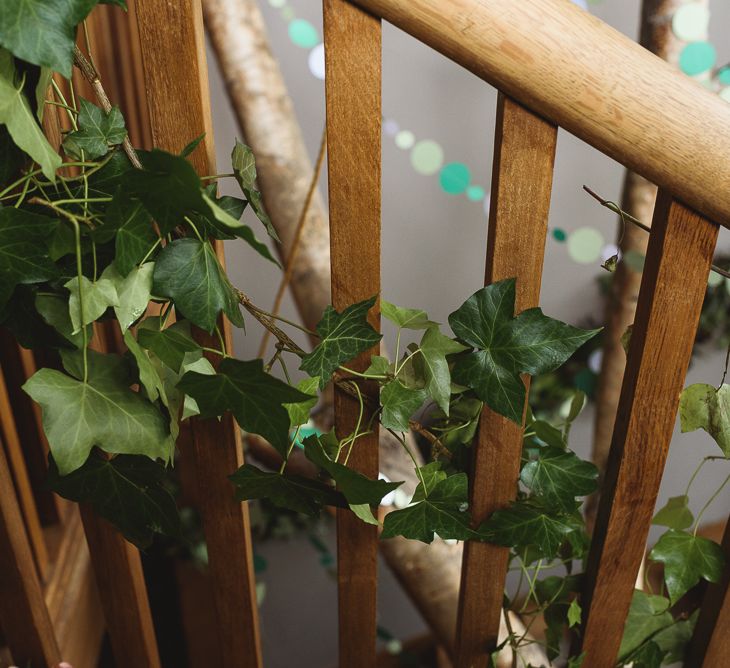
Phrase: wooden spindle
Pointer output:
(353, 66)
(522, 177)
(673, 286)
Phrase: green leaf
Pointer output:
(134, 232)
(41, 90)
(24, 249)
(97, 297)
(191, 146)
(649, 655)
(648, 615)
(365, 513)
(357, 488)
(194, 361)
(296, 493)
(399, 404)
(574, 613)
(242, 160)
(379, 366)
(526, 524)
(133, 293)
(674, 639)
(299, 413)
(576, 661)
(706, 407)
(253, 396)
(16, 114)
(101, 412)
(188, 272)
(98, 131)
(559, 476)
(434, 348)
(54, 310)
(127, 491)
(170, 344)
(406, 318)
(343, 336)
(430, 475)
(43, 31)
(148, 376)
(507, 346)
(442, 512)
(675, 514)
(687, 558)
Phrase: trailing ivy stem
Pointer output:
(371, 376)
(80, 276)
(708, 504)
(284, 369)
(357, 425)
(212, 177)
(398, 369)
(699, 467)
(81, 200)
(222, 341)
(195, 229)
(288, 452)
(70, 111)
(727, 363)
(402, 441)
(150, 251)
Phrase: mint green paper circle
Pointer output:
(427, 157)
(725, 94)
(690, 22)
(727, 285)
(723, 76)
(475, 193)
(303, 33)
(277, 4)
(585, 244)
(454, 178)
(405, 139)
(697, 57)
(714, 279)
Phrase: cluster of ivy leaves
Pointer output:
(88, 241)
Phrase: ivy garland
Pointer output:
(130, 228)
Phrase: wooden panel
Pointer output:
(678, 261)
(521, 185)
(176, 80)
(23, 613)
(19, 477)
(353, 65)
(588, 78)
(710, 646)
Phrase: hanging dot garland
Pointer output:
(584, 245)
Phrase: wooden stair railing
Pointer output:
(617, 97)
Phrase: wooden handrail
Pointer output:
(583, 75)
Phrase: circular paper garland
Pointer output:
(585, 245)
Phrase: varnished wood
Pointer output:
(672, 290)
(23, 614)
(588, 78)
(176, 81)
(522, 178)
(710, 645)
(120, 580)
(353, 81)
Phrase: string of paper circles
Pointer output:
(584, 245)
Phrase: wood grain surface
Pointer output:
(522, 178)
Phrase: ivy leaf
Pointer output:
(54, 310)
(442, 512)
(649, 655)
(429, 475)
(526, 523)
(194, 361)
(406, 318)
(379, 366)
(148, 376)
(687, 558)
(674, 639)
(434, 349)
(574, 613)
(675, 514)
(97, 296)
(244, 167)
(299, 413)
(107, 181)
(399, 403)
(296, 493)
(507, 346)
(576, 661)
(97, 132)
(24, 249)
(648, 614)
(101, 412)
(365, 513)
(134, 232)
(188, 272)
(191, 146)
(42, 31)
(706, 407)
(343, 336)
(559, 476)
(127, 491)
(253, 396)
(357, 488)
(133, 293)
(170, 344)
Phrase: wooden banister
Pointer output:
(588, 78)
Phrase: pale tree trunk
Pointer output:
(429, 574)
(638, 200)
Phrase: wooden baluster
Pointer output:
(353, 65)
(522, 177)
(673, 286)
(710, 645)
(23, 613)
(176, 79)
